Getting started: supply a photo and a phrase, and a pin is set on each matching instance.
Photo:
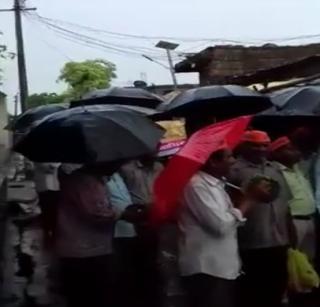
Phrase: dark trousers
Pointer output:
(88, 282)
(128, 276)
(48, 201)
(150, 284)
(208, 291)
(265, 277)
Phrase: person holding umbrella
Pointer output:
(101, 138)
(208, 222)
(83, 236)
(209, 261)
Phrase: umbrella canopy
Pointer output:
(31, 116)
(281, 122)
(294, 107)
(298, 100)
(194, 154)
(91, 134)
(120, 95)
(220, 100)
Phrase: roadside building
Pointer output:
(240, 64)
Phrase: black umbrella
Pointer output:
(293, 107)
(120, 95)
(222, 101)
(28, 118)
(151, 113)
(300, 100)
(281, 122)
(91, 134)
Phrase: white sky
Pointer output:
(231, 19)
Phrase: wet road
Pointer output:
(28, 268)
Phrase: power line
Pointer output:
(52, 46)
(92, 42)
(142, 37)
(186, 39)
(56, 25)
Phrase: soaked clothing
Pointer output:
(120, 199)
(263, 240)
(267, 223)
(302, 202)
(208, 225)
(85, 221)
(139, 180)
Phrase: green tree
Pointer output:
(36, 100)
(4, 55)
(82, 77)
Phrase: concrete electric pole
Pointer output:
(19, 7)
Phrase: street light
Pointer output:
(155, 61)
(169, 47)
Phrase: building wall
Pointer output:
(237, 60)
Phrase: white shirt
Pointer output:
(46, 176)
(208, 230)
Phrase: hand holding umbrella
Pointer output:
(195, 153)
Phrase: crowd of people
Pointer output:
(238, 217)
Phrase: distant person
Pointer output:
(84, 235)
(209, 259)
(47, 187)
(268, 232)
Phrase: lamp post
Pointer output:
(169, 47)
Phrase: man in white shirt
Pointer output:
(209, 259)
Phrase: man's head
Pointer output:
(254, 146)
(282, 150)
(219, 163)
(305, 139)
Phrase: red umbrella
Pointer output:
(194, 154)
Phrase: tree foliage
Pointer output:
(36, 100)
(82, 77)
(4, 55)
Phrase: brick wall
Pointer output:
(238, 60)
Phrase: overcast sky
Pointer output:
(230, 19)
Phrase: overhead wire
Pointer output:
(141, 37)
(64, 29)
(51, 46)
(184, 39)
(90, 41)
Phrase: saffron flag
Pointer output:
(169, 185)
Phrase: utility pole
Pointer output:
(16, 100)
(169, 47)
(173, 73)
(19, 7)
